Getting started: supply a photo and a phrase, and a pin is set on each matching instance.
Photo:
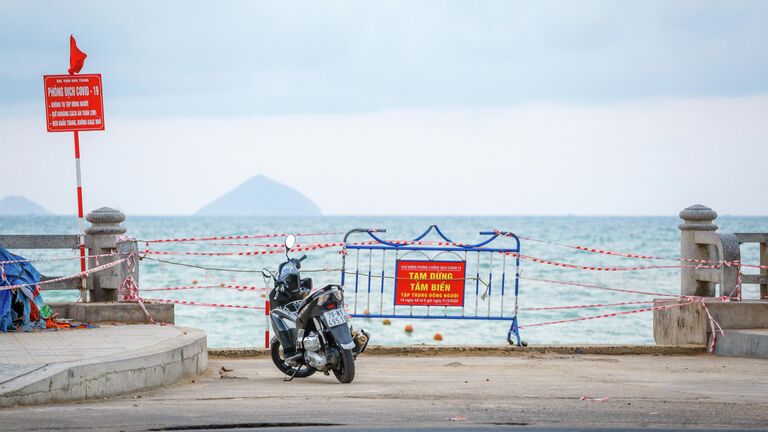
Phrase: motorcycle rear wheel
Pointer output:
(346, 371)
(278, 358)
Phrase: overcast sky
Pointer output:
(412, 107)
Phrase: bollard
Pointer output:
(696, 218)
(101, 238)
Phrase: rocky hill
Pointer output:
(20, 206)
(261, 196)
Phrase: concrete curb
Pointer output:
(743, 343)
(122, 312)
(163, 363)
(490, 350)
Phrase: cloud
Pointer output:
(255, 58)
(651, 157)
(398, 107)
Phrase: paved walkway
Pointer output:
(21, 353)
(68, 345)
(405, 392)
(28, 359)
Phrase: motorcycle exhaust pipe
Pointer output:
(294, 359)
(361, 339)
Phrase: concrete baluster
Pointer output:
(696, 218)
(101, 238)
(128, 249)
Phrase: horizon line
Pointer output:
(387, 215)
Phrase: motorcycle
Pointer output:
(312, 329)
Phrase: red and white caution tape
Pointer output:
(236, 237)
(755, 266)
(714, 326)
(737, 289)
(129, 289)
(243, 253)
(63, 278)
(35, 260)
(587, 306)
(609, 315)
(607, 269)
(192, 287)
(633, 255)
(193, 303)
(614, 253)
(270, 250)
(309, 247)
(282, 246)
(261, 245)
(599, 287)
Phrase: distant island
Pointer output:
(261, 196)
(20, 206)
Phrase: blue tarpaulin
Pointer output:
(15, 306)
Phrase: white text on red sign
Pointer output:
(73, 103)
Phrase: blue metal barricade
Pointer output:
(432, 279)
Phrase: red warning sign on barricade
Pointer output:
(430, 283)
(73, 103)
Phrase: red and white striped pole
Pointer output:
(81, 232)
(266, 324)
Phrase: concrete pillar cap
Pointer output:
(698, 213)
(698, 218)
(105, 215)
(105, 221)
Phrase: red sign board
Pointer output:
(430, 283)
(73, 103)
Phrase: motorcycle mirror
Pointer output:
(266, 273)
(290, 242)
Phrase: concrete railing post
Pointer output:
(128, 249)
(696, 218)
(101, 238)
(764, 269)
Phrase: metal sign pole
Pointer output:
(75, 103)
(81, 230)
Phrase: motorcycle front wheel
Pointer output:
(278, 358)
(346, 371)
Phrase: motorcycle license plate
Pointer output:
(336, 317)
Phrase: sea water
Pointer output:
(657, 236)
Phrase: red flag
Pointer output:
(76, 57)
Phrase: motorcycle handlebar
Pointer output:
(303, 257)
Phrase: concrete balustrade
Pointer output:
(105, 236)
(722, 276)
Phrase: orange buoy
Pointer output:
(437, 337)
(386, 322)
(194, 281)
(263, 296)
(409, 328)
(365, 312)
